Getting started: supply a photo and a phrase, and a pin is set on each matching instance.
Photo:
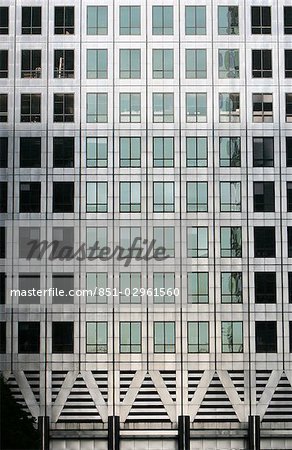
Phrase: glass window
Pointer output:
(2, 290)
(164, 237)
(287, 19)
(163, 108)
(130, 236)
(130, 21)
(232, 337)
(130, 152)
(130, 285)
(262, 63)
(31, 63)
(290, 286)
(198, 287)
(228, 20)
(195, 20)
(96, 63)
(198, 337)
(162, 20)
(231, 287)
(130, 337)
(63, 196)
(288, 151)
(197, 196)
(229, 148)
(196, 107)
(262, 105)
(263, 151)
(62, 337)
(3, 63)
(130, 107)
(229, 107)
(289, 196)
(197, 242)
(64, 63)
(231, 242)
(30, 108)
(30, 152)
(230, 196)
(264, 242)
(196, 63)
(3, 197)
(261, 20)
(63, 151)
(164, 337)
(96, 152)
(265, 288)
(27, 234)
(289, 236)
(95, 235)
(63, 107)
(30, 197)
(197, 152)
(163, 196)
(28, 337)
(31, 20)
(2, 334)
(162, 62)
(97, 108)
(288, 63)
(263, 196)
(4, 20)
(2, 242)
(289, 108)
(65, 282)
(97, 20)
(130, 63)
(97, 280)
(4, 107)
(228, 63)
(96, 197)
(130, 196)
(163, 152)
(266, 337)
(96, 337)
(64, 19)
(163, 285)
(3, 152)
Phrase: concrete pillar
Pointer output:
(254, 433)
(184, 433)
(114, 433)
(44, 430)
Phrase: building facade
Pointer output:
(167, 124)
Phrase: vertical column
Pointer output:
(184, 433)
(254, 432)
(113, 433)
(44, 430)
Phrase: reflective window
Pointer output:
(63, 107)
(196, 63)
(162, 20)
(230, 196)
(130, 337)
(96, 197)
(198, 287)
(97, 20)
(228, 63)
(196, 107)
(96, 337)
(99, 280)
(263, 151)
(164, 237)
(262, 105)
(197, 152)
(97, 63)
(130, 107)
(162, 63)
(163, 108)
(231, 287)
(231, 242)
(64, 19)
(229, 148)
(229, 107)
(163, 152)
(164, 337)
(195, 20)
(64, 64)
(163, 285)
(232, 337)
(130, 152)
(130, 20)
(228, 20)
(197, 242)
(130, 196)
(198, 337)
(97, 108)
(263, 196)
(130, 284)
(96, 152)
(130, 63)
(197, 196)
(163, 196)
(30, 109)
